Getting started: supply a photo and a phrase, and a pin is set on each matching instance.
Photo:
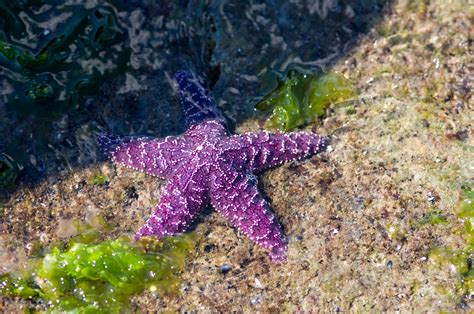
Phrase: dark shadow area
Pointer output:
(69, 72)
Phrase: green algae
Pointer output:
(418, 6)
(433, 217)
(285, 106)
(86, 233)
(101, 277)
(17, 287)
(460, 260)
(99, 179)
(324, 90)
(303, 98)
(56, 70)
(394, 231)
(465, 211)
(9, 171)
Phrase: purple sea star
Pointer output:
(206, 165)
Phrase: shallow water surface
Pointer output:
(70, 69)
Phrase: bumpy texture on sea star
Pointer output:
(206, 165)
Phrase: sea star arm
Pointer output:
(197, 104)
(181, 201)
(157, 157)
(235, 196)
(256, 152)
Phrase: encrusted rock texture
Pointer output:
(402, 149)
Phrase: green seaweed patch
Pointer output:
(460, 260)
(303, 98)
(394, 231)
(17, 287)
(86, 233)
(465, 211)
(91, 231)
(99, 179)
(9, 171)
(434, 217)
(101, 277)
(419, 7)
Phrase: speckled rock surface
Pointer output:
(402, 149)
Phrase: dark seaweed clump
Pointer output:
(49, 66)
(9, 171)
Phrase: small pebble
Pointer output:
(225, 268)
